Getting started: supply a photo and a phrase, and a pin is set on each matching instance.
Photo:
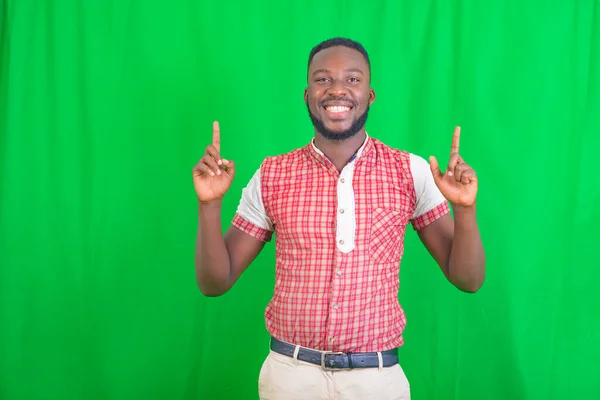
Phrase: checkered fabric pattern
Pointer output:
(324, 298)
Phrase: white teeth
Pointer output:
(337, 109)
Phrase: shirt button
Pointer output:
(341, 211)
(332, 339)
(342, 180)
(338, 272)
(342, 242)
(336, 306)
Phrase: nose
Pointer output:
(337, 88)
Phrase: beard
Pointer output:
(329, 134)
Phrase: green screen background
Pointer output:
(105, 106)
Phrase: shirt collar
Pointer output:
(356, 155)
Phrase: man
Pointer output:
(339, 208)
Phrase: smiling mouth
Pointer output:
(337, 112)
(337, 109)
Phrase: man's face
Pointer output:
(338, 95)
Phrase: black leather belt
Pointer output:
(336, 360)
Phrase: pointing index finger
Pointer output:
(455, 140)
(216, 140)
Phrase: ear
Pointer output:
(371, 96)
(306, 95)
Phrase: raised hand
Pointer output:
(213, 174)
(459, 183)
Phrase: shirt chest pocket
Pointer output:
(386, 239)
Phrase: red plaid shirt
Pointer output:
(339, 242)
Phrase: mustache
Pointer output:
(338, 98)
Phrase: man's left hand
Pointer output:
(459, 183)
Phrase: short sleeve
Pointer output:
(251, 217)
(431, 204)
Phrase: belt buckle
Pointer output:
(330, 353)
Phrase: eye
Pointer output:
(321, 79)
(353, 79)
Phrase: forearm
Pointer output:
(213, 267)
(467, 257)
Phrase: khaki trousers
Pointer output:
(286, 378)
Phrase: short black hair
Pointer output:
(339, 41)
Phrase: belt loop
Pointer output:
(296, 351)
(380, 358)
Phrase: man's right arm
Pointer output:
(220, 260)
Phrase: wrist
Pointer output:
(211, 205)
(460, 209)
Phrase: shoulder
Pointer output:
(284, 161)
(418, 164)
(413, 166)
(387, 150)
(285, 157)
(403, 157)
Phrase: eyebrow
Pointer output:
(324, 70)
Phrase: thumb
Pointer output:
(435, 169)
(230, 165)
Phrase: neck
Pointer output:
(339, 152)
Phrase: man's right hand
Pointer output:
(213, 175)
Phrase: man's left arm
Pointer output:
(456, 244)
(457, 248)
